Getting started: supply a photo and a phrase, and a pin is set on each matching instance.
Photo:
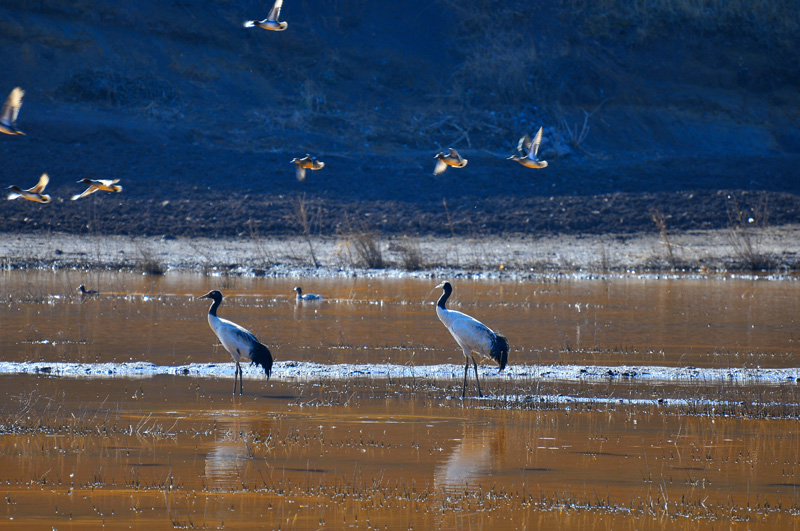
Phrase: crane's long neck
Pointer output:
(213, 309)
(444, 297)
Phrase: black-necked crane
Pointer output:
(32, 194)
(271, 22)
(237, 340)
(8, 116)
(528, 151)
(472, 336)
(307, 296)
(106, 185)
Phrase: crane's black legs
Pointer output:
(466, 372)
(477, 381)
(464, 387)
(238, 372)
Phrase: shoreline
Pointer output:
(703, 252)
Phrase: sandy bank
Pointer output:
(695, 251)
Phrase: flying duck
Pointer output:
(271, 22)
(307, 296)
(528, 150)
(8, 117)
(237, 340)
(451, 159)
(106, 185)
(32, 194)
(472, 336)
(307, 162)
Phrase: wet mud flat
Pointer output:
(177, 452)
(590, 426)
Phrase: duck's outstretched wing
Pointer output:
(440, 167)
(524, 145)
(535, 145)
(39, 188)
(301, 172)
(275, 12)
(92, 189)
(11, 107)
(453, 153)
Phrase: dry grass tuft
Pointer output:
(307, 220)
(745, 228)
(411, 255)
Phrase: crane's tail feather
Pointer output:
(499, 350)
(260, 355)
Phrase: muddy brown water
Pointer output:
(173, 451)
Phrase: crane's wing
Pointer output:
(535, 145)
(39, 188)
(471, 333)
(276, 11)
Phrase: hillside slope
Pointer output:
(199, 116)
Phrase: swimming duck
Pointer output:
(307, 162)
(472, 336)
(32, 194)
(8, 117)
(271, 22)
(106, 185)
(237, 340)
(307, 296)
(83, 291)
(528, 150)
(451, 159)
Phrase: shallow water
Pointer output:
(692, 322)
(399, 453)
(172, 451)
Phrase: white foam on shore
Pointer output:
(308, 371)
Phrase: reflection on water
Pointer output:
(166, 452)
(474, 457)
(707, 323)
(228, 455)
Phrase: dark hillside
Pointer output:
(691, 108)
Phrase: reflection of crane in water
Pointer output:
(230, 462)
(476, 456)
